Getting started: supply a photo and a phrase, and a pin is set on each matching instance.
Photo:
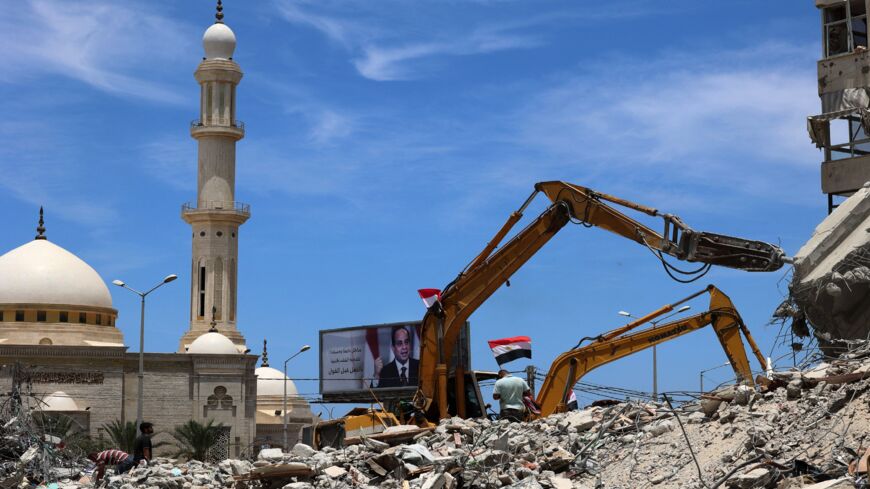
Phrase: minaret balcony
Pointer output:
(237, 212)
(217, 127)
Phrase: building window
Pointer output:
(46, 341)
(99, 319)
(40, 316)
(19, 316)
(64, 317)
(201, 291)
(83, 318)
(844, 27)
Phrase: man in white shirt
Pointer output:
(509, 392)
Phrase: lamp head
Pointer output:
(305, 348)
(119, 283)
(684, 308)
(624, 313)
(170, 278)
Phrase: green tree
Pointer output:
(195, 439)
(123, 435)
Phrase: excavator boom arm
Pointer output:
(572, 365)
(494, 266)
(677, 239)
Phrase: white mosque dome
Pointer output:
(41, 272)
(213, 344)
(219, 42)
(270, 383)
(59, 401)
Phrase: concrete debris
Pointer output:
(830, 287)
(809, 429)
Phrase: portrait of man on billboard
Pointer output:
(402, 370)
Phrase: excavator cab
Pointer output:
(474, 405)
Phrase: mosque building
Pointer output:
(59, 344)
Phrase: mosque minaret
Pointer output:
(216, 216)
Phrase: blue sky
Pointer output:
(387, 141)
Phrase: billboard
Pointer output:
(381, 357)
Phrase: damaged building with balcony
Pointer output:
(830, 289)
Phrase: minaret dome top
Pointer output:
(219, 42)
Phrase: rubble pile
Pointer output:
(830, 287)
(801, 429)
(28, 452)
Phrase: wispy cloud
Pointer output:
(338, 30)
(107, 45)
(172, 160)
(396, 53)
(694, 116)
(396, 63)
(32, 174)
(329, 126)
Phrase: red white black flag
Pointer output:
(508, 349)
(430, 296)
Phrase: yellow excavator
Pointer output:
(494, 266)
(570, 366)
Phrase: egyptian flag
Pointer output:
(572, 401)
(430, 296)
(509, 349)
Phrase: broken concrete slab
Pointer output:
(831, 281)
(335, 472)
(271, 454)
(759, 477)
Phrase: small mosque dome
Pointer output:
(219, 42)
(270, 382)
(213, 344)
(41, 272)
(59, 401)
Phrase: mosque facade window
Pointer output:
(63, 317)
(83, 318)
(201, 290)
(40, 316)
(19, 316)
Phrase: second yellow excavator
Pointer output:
(570, 366)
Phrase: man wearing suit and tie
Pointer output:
(402, 371)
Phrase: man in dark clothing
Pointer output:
(142, 445)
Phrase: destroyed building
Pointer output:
(831, 279)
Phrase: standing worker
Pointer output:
(142, 445)
(509, 392)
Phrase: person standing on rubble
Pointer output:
(509, 392)
(120, 459)
(142, 445)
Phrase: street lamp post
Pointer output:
(140, 400)
(303, 349)
(655, 391)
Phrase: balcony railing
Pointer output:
(215, 205)
(218, 122)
